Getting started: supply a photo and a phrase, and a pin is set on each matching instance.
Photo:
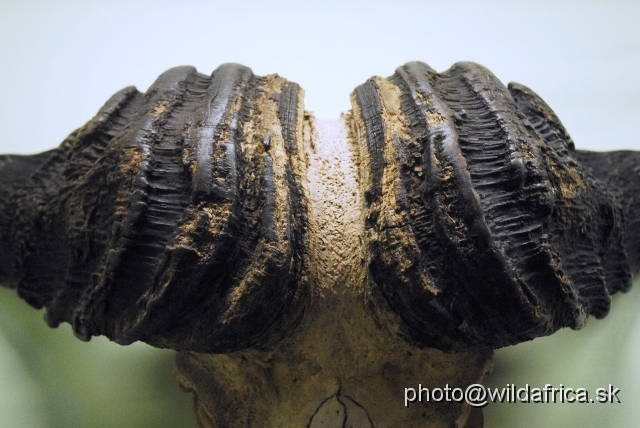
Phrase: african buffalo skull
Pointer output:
(309, 271)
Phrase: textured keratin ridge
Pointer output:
(165, 208)
(512, 238)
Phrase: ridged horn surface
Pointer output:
(176, 217)
(619, 172)
(483, 228)
(180, 216)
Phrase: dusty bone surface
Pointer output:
(309, 271)
(338, 366)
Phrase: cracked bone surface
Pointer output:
(309, 271)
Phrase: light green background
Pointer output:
(48, 378)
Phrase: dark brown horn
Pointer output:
(619, 172)
(176, 217)
(484, 228)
